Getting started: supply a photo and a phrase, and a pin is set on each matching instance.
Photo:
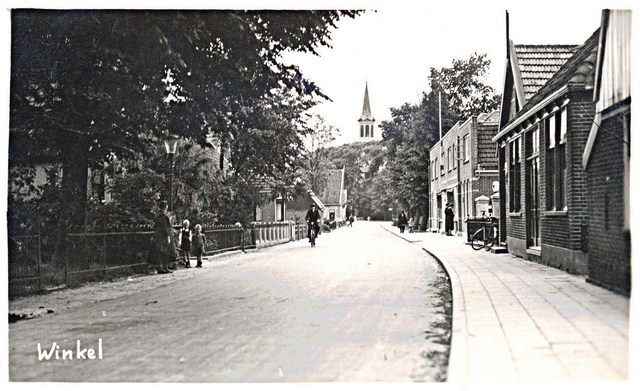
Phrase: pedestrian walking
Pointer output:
(198, 242)
(184, 243)
(165, 250)
(448, 219)
(402, 221)
(351, 220)
(410, 225)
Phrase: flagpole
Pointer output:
(440, 114)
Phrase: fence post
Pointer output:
(40, 285)
(104, 257)
(66, 263)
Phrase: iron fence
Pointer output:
(95, 256)
(25, 263)
(102, 255)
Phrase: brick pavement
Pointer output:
(515, 320)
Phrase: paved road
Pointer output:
(355, 308)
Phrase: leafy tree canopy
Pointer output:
(461, 92)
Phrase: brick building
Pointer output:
(606, 157)
(463, 167)
(545, 119)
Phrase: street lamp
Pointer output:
(170, 146)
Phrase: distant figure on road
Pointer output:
(410, 225)
(312, 217)
(351, 220)
(184, 243)
(198, 242)
(402, 221)
(163, 240)
(448, 219)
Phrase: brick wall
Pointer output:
(609, 242)
(487, 153)
(580, 115)
(566, 230)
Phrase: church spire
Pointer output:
(366, 108)
(366, 121)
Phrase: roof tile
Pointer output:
(538, 63)
(331, 193)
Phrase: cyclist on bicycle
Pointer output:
(312, 217)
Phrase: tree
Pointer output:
(315, 171)
(364, 173)
(414, 129)
(86, 85)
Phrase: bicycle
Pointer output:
(314, 233)
(485, 236)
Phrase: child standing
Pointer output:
(199, 240)
(185, 242)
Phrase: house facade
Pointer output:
(545, 119)
(606, 157)
(463, 167)
(334, 197)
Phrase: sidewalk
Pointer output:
(515, 320)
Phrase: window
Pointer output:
(442, 164)
(361, 130)
(435, 168)
(514, 175)
(465, 148)
(280, 209)
(449, 159)
(556, 160)
(456, 151)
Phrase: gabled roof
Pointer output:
(333, 190)
(538, 63)
(579, 69)
(491, 118)
(315, 199)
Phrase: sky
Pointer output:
(393, 47)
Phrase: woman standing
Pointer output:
(163, 239)
(402, 221)
(448, 219)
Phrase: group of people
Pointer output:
(448, 220)
(403, 222)
(188, 242)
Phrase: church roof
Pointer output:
(366, 108)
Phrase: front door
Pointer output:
(533, 193)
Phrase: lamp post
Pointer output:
(170, 146)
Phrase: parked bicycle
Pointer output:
(486, 236)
